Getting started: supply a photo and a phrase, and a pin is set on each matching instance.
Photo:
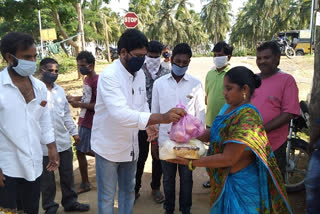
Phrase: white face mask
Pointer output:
(220, 61)
(25, 67)
(153, 65)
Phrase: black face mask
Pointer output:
(84, 70)
(166, 55)
(49, 77)
(134, 64)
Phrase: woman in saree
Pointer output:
(243, 171)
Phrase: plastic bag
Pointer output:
(166, 150)
(187, 128)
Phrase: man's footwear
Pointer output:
(78, 207)
(84, 188)
(157, 196)
(52, 210)
(206, 184)
(137, 195)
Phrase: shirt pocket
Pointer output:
(274, 101)
(139, 96)
(37, 112)
(190, 100)
(59, 107)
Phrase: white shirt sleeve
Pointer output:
(118, 108)
(68, 121)
(200, 106)
(47, 132)
(155, 106)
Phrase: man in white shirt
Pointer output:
(121, 110)
(168, 91)
(63, 126)
(25, 124)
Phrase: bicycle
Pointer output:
(297, 157)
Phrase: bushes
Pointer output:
(243, 52)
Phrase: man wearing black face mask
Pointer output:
(166, 53)
(63, 127)
(85, 64)
(120, 112)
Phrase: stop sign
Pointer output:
(130, 20)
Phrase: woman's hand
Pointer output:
(178, 160)
(206, 136)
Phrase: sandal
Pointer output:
(84, 188)
(157, 196)
(206, 184)
(77, 207)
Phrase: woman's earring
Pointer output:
(244, 96)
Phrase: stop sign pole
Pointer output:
(130, 20)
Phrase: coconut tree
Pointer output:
(215, 16)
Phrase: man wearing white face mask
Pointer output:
(25, 124)
(152, 70)
(214, 83)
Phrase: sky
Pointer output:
(121, 5)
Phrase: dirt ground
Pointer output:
(300, 67)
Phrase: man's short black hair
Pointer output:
(132, 39)
(272, 45)
(14, 41)
(155, 47)
(222, 45)
(87, 56)
(182, 48)
(48, 61)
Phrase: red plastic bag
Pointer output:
(187, 128)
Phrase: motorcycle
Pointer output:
(285, 48)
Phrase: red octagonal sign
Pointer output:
(130, 20)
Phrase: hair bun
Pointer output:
(257, 80)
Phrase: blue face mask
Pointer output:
(25, 67)
(179, 71)
(135, 63)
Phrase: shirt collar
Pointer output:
(8, 81)
(224, 70)
(123, 70)
(185, 77)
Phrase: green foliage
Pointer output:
(259, 20)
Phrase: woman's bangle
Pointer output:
(154, 142)
(190, 166)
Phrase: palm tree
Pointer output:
(216, 18)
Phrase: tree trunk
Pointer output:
(63, 33)
(105, 25)
(315, 94)
(216, 33)
(64, 49)
(77, 6)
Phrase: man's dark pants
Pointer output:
(156, 164)
(48, 183)
(169, 185)
(280, 155)
(20, 194)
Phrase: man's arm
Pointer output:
(290, 107)
(277, 122)
(200, 106)
(2, 178)
(47, 134)
(73, 98)
(113, 97)
(77, 104)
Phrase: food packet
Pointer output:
(187, 128)
(167, 149)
